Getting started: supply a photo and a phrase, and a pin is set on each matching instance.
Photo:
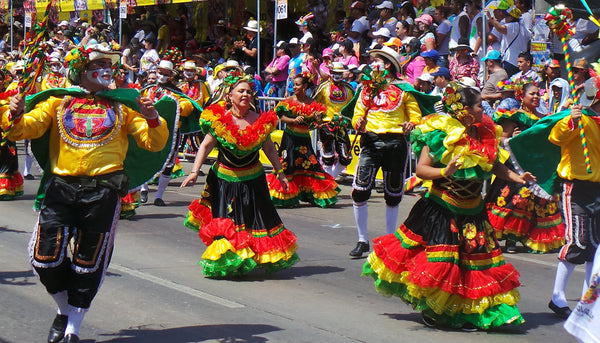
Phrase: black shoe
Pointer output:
(560, 312)
(468, 327)
(143, 197)
(361, 247)
(57, 330)
(29, 177)
(511, 247)
(159, 202)
(428, 321)
(71, 338)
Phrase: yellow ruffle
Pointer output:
(326, 194)
(543, 247)
(276, 255)
(439, 300)
(455, 132)
(220, 246)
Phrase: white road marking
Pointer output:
(181, 288)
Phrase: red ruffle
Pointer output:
(510, 224)
(220, 228)
(275, 184)
(11, 182)
(307, 183)
(200, 212)
(280, 243)
(302, 109)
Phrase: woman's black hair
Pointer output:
(527, 86)
(348, 46)
(468, 96)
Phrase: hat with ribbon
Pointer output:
(303, 21)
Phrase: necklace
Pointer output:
(237, 115)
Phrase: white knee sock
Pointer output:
(163, 182)
(75, 318)
(391, 218)
(589, 266)
(563, 272)
(28, 163)
(361, 216)
(144, 187)
(338, 168)
(62, 300)
(328, 170)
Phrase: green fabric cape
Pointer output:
(426, 102)
(531, 151)
(140, 164)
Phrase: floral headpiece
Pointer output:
(235, 77)
(516, 86)
(374, 80)
(309, 76)
(304, 20)
(451, 100)
(77, 58)
(174, 55)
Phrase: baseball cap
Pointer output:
(293, 41)
(426, 77)
(433, 54)
(442, 71)
(358, 5)
(385, 4)
(552, 63)
(492, 55)
(281, 45)
(394, 41)
(591, 92)
(383, 32)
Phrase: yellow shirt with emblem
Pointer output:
(334, 106)
(72, 157)
(572, 162)
(386, 112)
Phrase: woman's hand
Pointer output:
(361, 124)
(189, 180)
(17, 106)
(147, 107)
(516, 131)
(299, 120)
(407, 127)
(527, 177)
(284, 181)
(452, 166)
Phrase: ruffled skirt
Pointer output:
(128, 204)
(519, 215)
(308, 181)
(241, 228)
(447, 265)
(11, 180)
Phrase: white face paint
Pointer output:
(337, 77)
(55, 68)
(188, 74)
(161, 79)
(378, 66)
(102, 76)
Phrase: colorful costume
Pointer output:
(235, 217)
(308, 181)
(518, 214)
(53, 80)
(444, 259)
(333, 134)
(200, 93)
(11, 181)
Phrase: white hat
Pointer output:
(252, 26)
(426, 77)
(19, 65)
(337, 67)
(293, 41)
(189, 65)
(63, 23)
(383, 32)
(281, 44)
(232, 63)
(385, 4)
(99, 52)
(164, 64)
(18, 24)
(467, 82)
(389, 54)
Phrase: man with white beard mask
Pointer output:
(81, 138)
(164, 86)
(386, 112)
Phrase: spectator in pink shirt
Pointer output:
(463, 64)
(277, 70)
(347, 51)
(416, 62)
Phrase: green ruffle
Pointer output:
(177, 174)
(518, 117)
(127, 214)
(207, 128)
(279, 265)
(285, 203)
(492, 317)
(230, 264)
(10, 196)
(435, 141)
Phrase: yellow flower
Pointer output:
(501, 201)
(525, 192)
(469, 231)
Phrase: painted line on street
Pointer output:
(543, 263)
(172, 285)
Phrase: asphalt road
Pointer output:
(155, 292)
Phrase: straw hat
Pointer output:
(389, 54)
(337, 67)
(252, 26)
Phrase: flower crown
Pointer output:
(174, 55)
(77, 58)
(451, 100)
(235, 77)
(516, 86)
(374, 80)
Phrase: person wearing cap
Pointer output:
(444, 260)
(515, 38)
(295, 64)
(425, 32)
(441, 78)
(358, 33)
(581, 73)
(386, 19)
(566, 168)
(424, 83)
(55, 78)
(431, 58)
(278, 69)
(394, 43)
(335, 94)
(87, 172)
(383, 119)
(550, 72)
(150, 58)
(493, 63)
(165, 73)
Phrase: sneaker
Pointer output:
(29, 177)
(468, 327)
(428, 321)
(143, 197)
(159, 202)
(361, 247)
(511, 246)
